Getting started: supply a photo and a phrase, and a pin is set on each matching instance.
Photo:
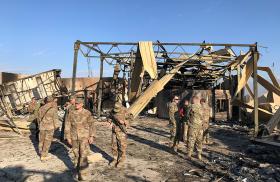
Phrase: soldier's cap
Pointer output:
(72, 97)
(79, 100)
(197, 95)
(117, 107)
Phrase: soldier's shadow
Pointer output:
(60, 151)
(35, 142)
(105, 155)
(57, 148)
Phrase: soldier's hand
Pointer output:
(90, 140)
(69, 141)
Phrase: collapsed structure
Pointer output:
(153, 71)
(148, 68)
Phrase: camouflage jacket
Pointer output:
(33, 107)
(69, 108)
(48, 117)
(173, 111)
(118, 119)
(196, 119)
(206, 116)
(79, 125)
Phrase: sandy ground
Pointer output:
(148, 157)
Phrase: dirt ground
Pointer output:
(231, 157)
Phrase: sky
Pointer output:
(37, 36)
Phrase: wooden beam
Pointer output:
(245, 75)
(267, 85)
(100, 88)
(270, 74)
(255, 83)
(249, 91)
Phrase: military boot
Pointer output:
(113, 162)
(45, 158)
(189, 156)
(121, 162)
(199, 156)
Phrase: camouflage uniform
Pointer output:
(205, 124)
(69, 108)
(119, 135)
(195, 132)
(173, 119)
(79, 127)
(185, 121)
(33, 109)
(48, 122)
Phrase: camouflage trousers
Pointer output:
(119, 144)
(186, 128)
(206, 135)
(45, 140)
(81, 150)
(175, 131)
(33, 118)
(195, 137)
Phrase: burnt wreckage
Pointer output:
(153, 71)
(150, 68)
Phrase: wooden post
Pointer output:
(255, 81)
(239, 96)
(100, 89)
(213, 104)
(76, 51)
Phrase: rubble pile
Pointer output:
(258, 163)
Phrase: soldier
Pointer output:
(206, 118)
(119, 136)
(173, 119)
(48, 122)
(80, 132)
(33, 109)
(70, 106)
(195, 132)
(185, 115)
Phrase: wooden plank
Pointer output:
(245, 75)
(267, 85)
(255, 84)
(249, 90)
(244, 105)
(148, 58)
(272, 123)
(270, 74)
(155, 87)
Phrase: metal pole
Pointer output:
(100, 89)
(255, 81)
(76, 51)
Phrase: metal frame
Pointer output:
(204, 67)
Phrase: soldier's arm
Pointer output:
(92, 129)
(39, 116)
(55, 118)
(67, 127)
(118, 119)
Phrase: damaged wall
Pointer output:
(9, 77)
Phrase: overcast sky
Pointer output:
(38, 35)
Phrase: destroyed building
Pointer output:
(147, 74)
